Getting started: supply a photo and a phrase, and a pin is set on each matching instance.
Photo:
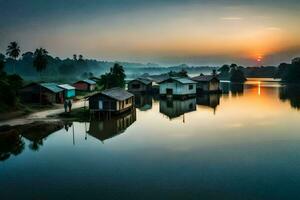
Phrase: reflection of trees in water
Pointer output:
(225, 87)
(11, 144)
(290, 93)
(237, 89)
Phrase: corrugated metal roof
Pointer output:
(89, 81)
(117, 93)
(204, 78)
(67, 87)
(146, 81)
(185, 80)
(180, 80)
(52, 87)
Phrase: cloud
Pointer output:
(273, 28)
(231, 18)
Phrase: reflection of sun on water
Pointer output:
(258, 87)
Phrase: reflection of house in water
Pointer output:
(107, 129)
(176, 108)
(292, 94)
(210, 100)
(143, 102)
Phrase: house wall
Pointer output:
(69, 93)
(142, 87)
(109, 104)
(92, 87)
(209, 86)
(31, 94)
(214, 85)
(204, 86)
(178, 88)
(81, 86)
(122, 105)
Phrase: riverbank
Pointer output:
(40, 115)
(35, 129)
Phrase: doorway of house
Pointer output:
(169, 92)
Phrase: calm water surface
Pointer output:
(244, 144)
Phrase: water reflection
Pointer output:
(143, 102)
(237, 89)
(10, 144)
(210, 100)
(106, 129)
(253, 142)
(176, 108)
(290, 93)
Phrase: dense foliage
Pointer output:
(115, 78)
(9, 86)
(289, 72)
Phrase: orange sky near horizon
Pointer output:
(194, 33)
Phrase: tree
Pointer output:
(292, 72)
(2, 64)
(237, 76)
(118, 74)
(13, 51)
(233, 66)
(40, 63)
(224, 69)
(115, 78)
(40, 60)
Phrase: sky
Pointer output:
(168, 32)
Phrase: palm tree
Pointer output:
(13, 51)
(40, 63)
(40, 59)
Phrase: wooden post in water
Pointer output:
(73, 134)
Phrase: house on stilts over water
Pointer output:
(114, 100)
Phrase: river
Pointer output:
(244, 144)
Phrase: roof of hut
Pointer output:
(145, 81)
(52, 87)
(67, 87)
(204, 78)
(180, 80)
(115, 93)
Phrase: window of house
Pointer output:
(127, 101)
(191, 87)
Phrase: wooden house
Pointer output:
(85, 85)
(106, 129)
(48, 93)
(140, 85)
(69, 91)
(207, 84)
(177, 87)
(114, 100)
